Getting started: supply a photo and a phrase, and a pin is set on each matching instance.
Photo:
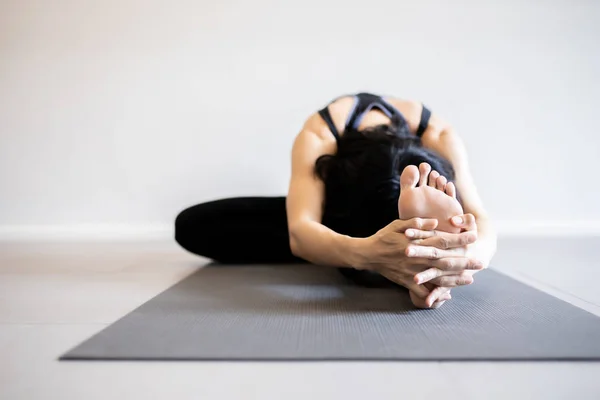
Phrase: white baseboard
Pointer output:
(164, 232)
(548, 228)
(87, 232)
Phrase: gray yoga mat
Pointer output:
(305, 312)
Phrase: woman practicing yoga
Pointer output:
(380, 187)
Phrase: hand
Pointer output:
(448, 254)
(386, 253)
(419, 302)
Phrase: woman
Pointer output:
(369, 187)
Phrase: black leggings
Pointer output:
(247, 230)
(238, 230)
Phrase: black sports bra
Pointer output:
(365, 102)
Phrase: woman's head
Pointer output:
(362, 180)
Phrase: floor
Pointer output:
(53, 296)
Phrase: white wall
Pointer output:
(116, 114)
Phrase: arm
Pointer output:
(309, 239)
(383, 252)
(444, 140)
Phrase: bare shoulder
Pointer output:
(316, 129)
(412, 110)
(313, 141)
(339, 110)
(341, 105)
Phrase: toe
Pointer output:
(409, 177)
(451, 190)
(441, 183)
(433, 176)
(424, 170)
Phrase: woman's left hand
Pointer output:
(446, 253)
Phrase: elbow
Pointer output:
(294, 243)
(295, 249)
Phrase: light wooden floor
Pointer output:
(53, 296)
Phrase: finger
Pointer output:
(437, 304)
(424, 170)
(425, 224)
(419, 290)
(428, 275)
(457, 264)
(433, 176)
(453, 280)
(420, 234)
(446, 241)
(435, 295)
(444, 297)
(451, 190)
(418, 302)
(466, 222)
(441, 289)
(441, 183)
(443, 240)
(432, 253)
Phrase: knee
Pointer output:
(190, 228)
(181, 227)
(181, 223)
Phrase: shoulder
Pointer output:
(341, 105)
(412, 111)
(313, 140)
(338, 109)
(316, 128)
(409, 108)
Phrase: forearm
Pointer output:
(487, 240)
(485, 247)
(318, 244)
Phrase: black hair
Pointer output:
(362, 180)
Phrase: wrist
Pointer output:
(353, 252)
(485, 247)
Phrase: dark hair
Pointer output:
(362, 180)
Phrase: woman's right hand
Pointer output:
(385, 252)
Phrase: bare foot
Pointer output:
(426, 194)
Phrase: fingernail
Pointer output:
(411, 252)
(410, 233)
(457, 220)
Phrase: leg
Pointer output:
(239, 230)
